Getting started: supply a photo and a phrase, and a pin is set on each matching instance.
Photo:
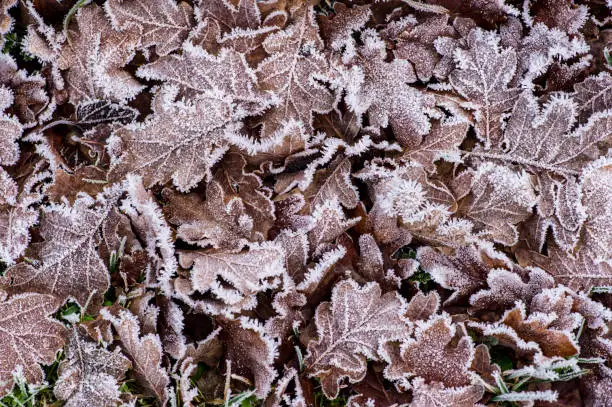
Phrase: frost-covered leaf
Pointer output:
(481, 364)
(506, 287)
(94, 112)
(350, 329)
(333, 182)
(219, 222)
(441, 352)
(162, 23)
(231, 24)
(436, 395)
(94, 56)
(15, 224)
(482, 77)
(29, 96)
(380, 89)
(442, 142)
(329, 223)
(597, 202)
(287, 304)
(225, 76)
(465, 271)
(255, 360)
(6, 21)
(499, 200)
(68, 264)
(337, 28)
(594, 94)
(235, 278)
(180, 141)
(90, 374)
(291, 72)
(237, 182)
(557, 161)
(28, 337)
(530, 335)
(144, 352)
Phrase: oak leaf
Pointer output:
(90, 374)
(350, 329)
(68, 264)
(28, 337)
(441, 352)
(162, 23)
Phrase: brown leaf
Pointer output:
(94, 57)
(162, 23)
(28, 337)
(350, 329)
(441, 352)
(483, 73)
(290, 72)
(180, 141)
(68, 264)
(145, 353)
(256, 360)
(90, 374)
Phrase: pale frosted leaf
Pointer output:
(381, 89)
(290, 72)
(90, 374)
(594, 94)
(483, 73)
(500, 199)
(6, 21)
(11, 131)
(28, 337)
(597, 202)
(162, 23)
(333, 182)
(329, 223)
(557, 160)
(506, 287)
(372, 267)
(224, 75)
(15, 224)
(180, 141)
(465, 271)
(68, 263)
(436, 395)
(442, 142)
(235, 277)
(94, 58)
(337, 29)
(441, 352)
(560, 303)
(350, 329)
(144, 352)
(151, 228)
(255, 360)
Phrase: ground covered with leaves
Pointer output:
(305, 203)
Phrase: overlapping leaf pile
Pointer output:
(286, 201)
